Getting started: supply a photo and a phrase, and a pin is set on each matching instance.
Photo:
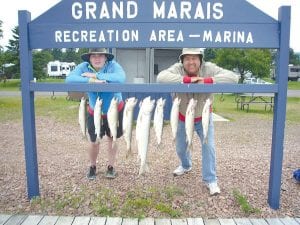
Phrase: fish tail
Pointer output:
(128, 153)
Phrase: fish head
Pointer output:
(148, 106)
(131, 102)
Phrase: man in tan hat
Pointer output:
(99, 67)
(193, 69)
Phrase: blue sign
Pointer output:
(136, 23)
(155, 23)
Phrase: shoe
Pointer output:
(91, 175)
(213, 188)
(110, 173)
(180, 171)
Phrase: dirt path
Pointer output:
(243, 160)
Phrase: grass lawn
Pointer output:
(66, 111)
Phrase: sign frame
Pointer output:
(32, 35)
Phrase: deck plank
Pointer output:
(114, 221)
(211, 222)
(4, 218)
(81, 220)
(130, 221)
(242, 221)
(16, 220)
(288, 221)
(195, 221)
(48, 220)
(178, 222)
(65, 220)
(258, 222)
(162, 222)
(97, 221)
(227, 222)
(274, 221)
(32, 220)
(147, 221)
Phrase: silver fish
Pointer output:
(137, 128)
(189, 122)
(174, 116)
(97, 116)
(112, 119)
(130, 103)
(158, 119)
(205, 118)
(82, 116)
(143, 124)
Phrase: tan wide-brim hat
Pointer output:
(86, 56)
(191, 51)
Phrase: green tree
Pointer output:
(13, 49)
(40, 61)
(210, 54)
(257, 61)
(7, 58)
(69, 55)
(294, 58)
(1, 35)
(57, 54)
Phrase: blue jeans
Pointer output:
(208, 150)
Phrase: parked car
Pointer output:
(254, 80)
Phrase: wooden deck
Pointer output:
(6, 219)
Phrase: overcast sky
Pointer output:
(9, 15)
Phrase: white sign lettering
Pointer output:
(186, 10)
(100, 10)
(96, 36)
(166, 35)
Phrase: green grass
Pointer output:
(228, 109)
(59, 108)
(15, 84)
(136, 203)
(294, 85)
(10, 85)
(244, 204)
(67, 111)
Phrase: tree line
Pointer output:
(256, 61)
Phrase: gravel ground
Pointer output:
(243, 159)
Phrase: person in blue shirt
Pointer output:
(99, 67)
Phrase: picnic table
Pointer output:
(244, 100)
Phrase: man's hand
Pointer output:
(89, 75)
(197, 80)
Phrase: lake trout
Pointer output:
(189, 122)
(97, 117)
(205, 119)
(130, 103)
(158, 119)
(174, 116)
(82, 116)
(143, 124)
(112, 119)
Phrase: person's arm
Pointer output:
(171, 75)
(114, 73)
(75, 76)
(220, 75)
